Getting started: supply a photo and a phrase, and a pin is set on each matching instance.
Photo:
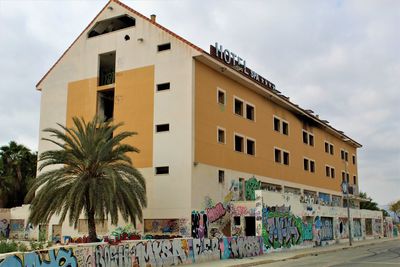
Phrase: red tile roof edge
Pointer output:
(136, 13)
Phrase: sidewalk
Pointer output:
(288, 254)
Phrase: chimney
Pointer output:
(153, 17)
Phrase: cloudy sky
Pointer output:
(338, 58)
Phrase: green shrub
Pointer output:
(6, 247)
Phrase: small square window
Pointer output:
(278, 156)
(221, 97)
(312, 166)
(285, 128)
(285, 158)
(163, 47)
(163, 86)
(249, 112)
(239, 143)
(162, 127)
(221, 176)
(311, 139)
(236, 220)
(250, 147)
(238, 107)
(306, 164)
(221, 136)
(305, 137)
(162, 170)
(277, 124)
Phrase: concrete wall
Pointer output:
(140, 253)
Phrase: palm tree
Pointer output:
(17, 168)
(93, 175)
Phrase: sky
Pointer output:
(339, 58)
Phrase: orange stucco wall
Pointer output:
(209, 115)
(133, 105)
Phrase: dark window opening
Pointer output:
(221, 176)
(162, 170)
(238, 107)
(236, 220)
(250, 226)
(110, 25)
(327, 171)
(331, 148)
(163, 47)
(332, 173)
(305, 137)
(105, 104)
(107, 68)
(277, 124)
(285, 158)
(278, 155)
(346, 156)
(306, 164)
(354, 159)
(311, 140)
(163, 86)
(343, 177)
(162, 127)
(326, 147)
(239, 143)
(221, 97)
(354, 180)
(250, 112)
(312, 166)
(285, 128)
(250, 147)
(221, 136)
(347, 178)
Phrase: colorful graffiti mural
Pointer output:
(215, 213)
(251, 185)
(199, 224)
(140, 253)
(357, 232)
(281, 228)
(4, 228)
(175, 227)
(342, 228)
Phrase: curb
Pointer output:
(310, 253)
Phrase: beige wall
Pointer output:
(209, 115)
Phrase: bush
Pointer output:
(6, 246)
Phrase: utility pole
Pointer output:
(345, 189)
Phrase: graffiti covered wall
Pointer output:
(140, 253)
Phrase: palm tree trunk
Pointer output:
(92, 226)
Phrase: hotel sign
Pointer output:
(239, 64)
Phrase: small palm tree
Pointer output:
(91, 173)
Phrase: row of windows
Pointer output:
(240, 107)
(241, 143)
(281, 126)
(281, 156)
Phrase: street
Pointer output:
(381, 254)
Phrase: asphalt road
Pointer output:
(376, 255)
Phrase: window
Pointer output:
(343, 176)
(344, 155)
(285, 128)
(105, 104)
(308, 138)
(162, 170)
(281, 126)
(328, 148)
(162, 127)
(221, 97)
(251, 150)
(277, 124)
(236, 220)
(239, 143)
(221, 135)
(329, 171)
(278, 157)
(347, 177)
(312, 166)
(163, 86)
(221, 176)
(110, 25)
(354, 159)
(163, 47)
(238, 105)
(309, 165)
(306, 164)
(106, 68)
(285, 158)
(250, 112)
(354, 179)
